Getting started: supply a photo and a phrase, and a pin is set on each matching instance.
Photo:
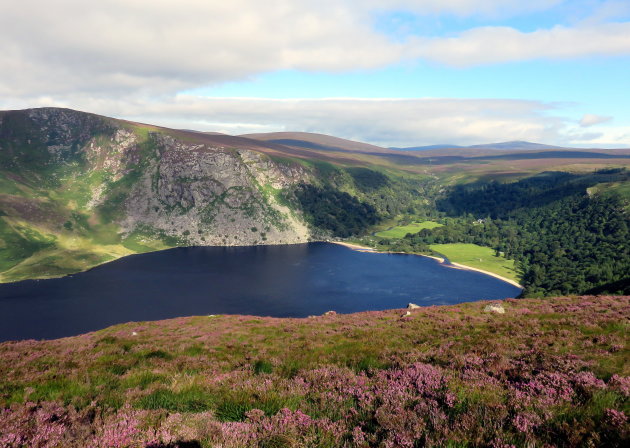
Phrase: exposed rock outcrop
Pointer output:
(494, 308)
(214, 196)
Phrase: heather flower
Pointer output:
(358, 437)
(547, 389)
(452, 381)
(615, 418)
(620, 384)
(38, 426)
(120, 430)
(587, 382)
(499, 443)
(526, 422)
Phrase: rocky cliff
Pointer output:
(217, 196)
(71, 180)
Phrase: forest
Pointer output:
(565, 235)
(349, 201)
(564, 240)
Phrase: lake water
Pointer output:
(280, 281)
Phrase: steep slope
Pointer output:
(550, 372)
(77, 189)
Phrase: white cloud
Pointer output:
(491, 45)
(117, 47)
(381, 121)
(592, 119)
(129, 58)
(607, 137)
(389, 122)
(161, 46)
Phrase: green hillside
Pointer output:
(547, 372)
(78, 190)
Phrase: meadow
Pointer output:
(478, 257)
(548, 372)
(401, 231)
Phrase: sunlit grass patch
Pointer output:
(478, 257)
(193, 399)
(401, 231)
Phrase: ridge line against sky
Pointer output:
(387, 72)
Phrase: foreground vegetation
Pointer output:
(550, 373)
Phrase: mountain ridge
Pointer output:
(79, 189)
(312, 140)
(83, 186)
(509, 145)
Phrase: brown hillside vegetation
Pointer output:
(547, 372)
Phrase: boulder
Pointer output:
(494, 308)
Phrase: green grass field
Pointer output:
(401, 231)
(477, 257)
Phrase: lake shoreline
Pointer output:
(276, 281)
(352, 246)
(469, 268)
(442, 261)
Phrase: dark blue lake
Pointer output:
(281, 281)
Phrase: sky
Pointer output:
(387, 72)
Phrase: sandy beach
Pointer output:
(367, 249)
(462, 266)
(354, 246)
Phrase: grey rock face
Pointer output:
(214, 196)
(65, 131)
(146, 181)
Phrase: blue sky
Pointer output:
(395, 72)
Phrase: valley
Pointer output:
(297, 224)
(78, 190)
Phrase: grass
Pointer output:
(478, 257)
(401, 231)
(613, 188)
(68, 254)
(211, 372)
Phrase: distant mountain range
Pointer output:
(79, 189)
(322, 142)
(513, 145)
(309, 140)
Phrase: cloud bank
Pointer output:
(115, 47)
(381, 121)
(491, 45)
(592, 119)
